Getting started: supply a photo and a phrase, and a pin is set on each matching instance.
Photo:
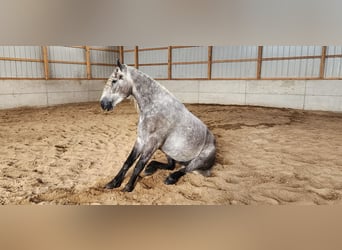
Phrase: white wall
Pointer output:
(18, 93)
(308, 95)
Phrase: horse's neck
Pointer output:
(145, 89)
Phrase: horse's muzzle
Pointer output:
(106, 105)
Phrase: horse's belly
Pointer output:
(184, 145)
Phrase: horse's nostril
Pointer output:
(106, 105)
(103, 105)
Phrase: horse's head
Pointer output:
(117, 88)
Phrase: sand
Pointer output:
(66, 154)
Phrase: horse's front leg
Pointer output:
(146, 155)
(116, 182)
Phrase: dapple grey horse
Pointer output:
(164, 123)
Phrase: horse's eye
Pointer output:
(114, 81)
(120, 77)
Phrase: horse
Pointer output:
(164, 124)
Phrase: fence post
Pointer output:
(136, 57)
(322, 65)
(87, 49)
(169, 63)
(259, 62)
(121, 54)
(210, 55)
(46, 62)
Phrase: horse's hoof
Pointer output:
(112, 184)
(150, 170)
(170, 181)
(109, 186)
(127, 189)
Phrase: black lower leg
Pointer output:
(145, 157)
(153, 166)
(116, 182)
(174, 177)
(137, 170)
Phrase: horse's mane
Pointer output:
(149, 79)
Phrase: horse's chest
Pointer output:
(152, 126)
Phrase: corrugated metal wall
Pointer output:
(293, 67)
(64, 62)
(18, 69)
(333, 65)
(228, 62)
(194, 54)
(62, 70)
(129, 55)
(238, 62)
(234, 69)
(154, 56)
(103, 57)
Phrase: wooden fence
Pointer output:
(46, 62)
(257, 62)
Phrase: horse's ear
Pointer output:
(119, 64)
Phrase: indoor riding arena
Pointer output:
(275, 113)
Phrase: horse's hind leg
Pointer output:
(202, 163)
(153, 166)
(175, 176)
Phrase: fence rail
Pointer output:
(318, 69)
(174, 62)
(46, 66)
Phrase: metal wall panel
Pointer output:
(106, 57)
(286, 51)
(333, 67)
(234, 70)
(190, 71)
(101, 71)
(155, 71)
(97, 56)
(129, 57)
(234, 52)
(129, 47)
(59, 70)
(334, 50)
(153, 56)
(192, 54)
(141, 47)
(61, 53)
(30, 69)
(291, 68)
(105, 47)
(13, 69)
(270, 69)
(7, 69)
(32, 52)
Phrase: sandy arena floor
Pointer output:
(65, 155)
